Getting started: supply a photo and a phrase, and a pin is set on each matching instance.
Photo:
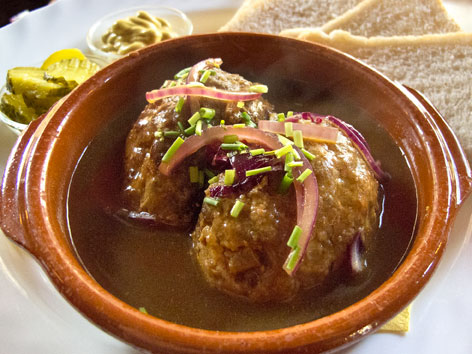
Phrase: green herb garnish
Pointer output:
(257, 171)
(298, 138)
(179, 105)
(207, 113)
(294, 237)
(259, 88)
(304, 175)
(236, 209)
(194, 118)
(211, 201)
(173, 149)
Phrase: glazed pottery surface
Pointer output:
(33, 210)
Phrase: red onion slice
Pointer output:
(306, 193)
(193, 75)
(307, 207)
(361, 144)
(201, 91)
(310, 131)
(314, 118)
(215, 134)
(202, 65)
(355, 254)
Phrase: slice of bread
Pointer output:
(394, 18)
(438, 65)
(390, 18)
(273, 16)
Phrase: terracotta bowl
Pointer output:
(38, 174)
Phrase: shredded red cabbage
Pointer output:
(242, 163)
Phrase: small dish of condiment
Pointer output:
(127, 30)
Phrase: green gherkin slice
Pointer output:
(14, 107)
(29, 79)
(40, 102)
(71, 72)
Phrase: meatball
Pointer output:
(245, 256)
(173, 200)
(170, 199)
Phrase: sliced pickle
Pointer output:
(71, 71)
(28, 79)
(39, 101)
(14, 107)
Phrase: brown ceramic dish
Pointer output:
(36, 182)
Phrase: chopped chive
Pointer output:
(173, 83)
(213, 180)
(181, 127)
(208, 173)
(190, 130)
(288, 159)
(240, 104)
(308, 154)
(193, 173)
(198, 127)
(292, 258)
(295, 164)
(158, 134)
(257, 171)
(285, 183)
(194, 118)
(182, 74)
(296, 155)
(240, 125)
(166, 83)
(255, 152)
(207, 113)
(294, 237)
(259, 88)
(222, 122)
(280, 117)
(229, 177)
(283, 151)
(211, 201)
(173, 149)
(228, 139)
(248, 120)
(171, 134)
(289, 113)
(284, 140)
(304, 175)
(298, 138)
(288, 129)
(236, 209)
(201, 178)
(234, 146)
(143, 310)
(206, 74)
(179, 105)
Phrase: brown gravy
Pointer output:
(155, 269)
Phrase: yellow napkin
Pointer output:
(400, 323)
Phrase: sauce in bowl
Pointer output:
(154, 268)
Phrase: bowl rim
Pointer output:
(113, 314)
(124, 12)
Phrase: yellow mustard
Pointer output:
(135, 32)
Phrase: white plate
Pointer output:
(34, 318)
